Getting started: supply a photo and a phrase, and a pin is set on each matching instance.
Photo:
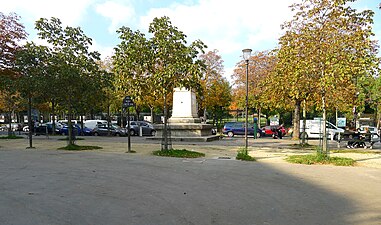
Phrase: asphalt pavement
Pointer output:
(108, 186)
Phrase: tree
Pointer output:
(74, 64)
(32, 62)
(325, 48)
(11, 33)
(261, 97)
(216, 90)
(131, 63)
(163, 62)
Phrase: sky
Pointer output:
(227, 26)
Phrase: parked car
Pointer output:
(371, 129)
(147, 128)
(103, 130)
(14, 127)
(269, 130)
(46, 128)
(93, 123)
(238, 128)
(76, 129)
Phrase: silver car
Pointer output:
(102, 129)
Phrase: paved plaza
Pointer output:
(108, 186)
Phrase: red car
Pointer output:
(269, 130)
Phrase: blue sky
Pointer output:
(228, 26)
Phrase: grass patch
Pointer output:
(11, 137)
(241, 155)
(179, 153)
(356, 151)
(320, 159)
(67, 138)
(79, 147)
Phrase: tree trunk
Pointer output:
(152, 115)
(10, 123)
(304, 123)
(137, 113)
(296, 119)
(108, 121)
(70, 126)
(205, 117)
(259, 118)
(378, 117)
(165, 130)
(30, 121)
(82, 126)
(53, 118)
(325, 141)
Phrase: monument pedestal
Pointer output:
(184, 124)
(186, 132)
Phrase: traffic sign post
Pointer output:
(127, 103)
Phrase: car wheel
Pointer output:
(117, 134)
(96, 134)
(132, 132)
(230, 134)
(153, 132)
(258, 135)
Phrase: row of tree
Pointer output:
(66, 75)
(326, 59)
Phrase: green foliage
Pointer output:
(242, 155)
(156, 65)
(12, 33)
(320, 159)
(73, 66)
(324, 55)
(12, 136)
(179, 153)
(73, 147)
(215, 89)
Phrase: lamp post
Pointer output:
(246, 57)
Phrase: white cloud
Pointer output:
(70, 12)
(116, 12)
(226, 26)
(105, 51)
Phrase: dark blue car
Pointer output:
(238, 128)
(76, 129)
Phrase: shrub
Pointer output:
(242, 155)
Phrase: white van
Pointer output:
(93, 123)
(314, 129)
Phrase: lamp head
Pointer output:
(246, 53)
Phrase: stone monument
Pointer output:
(184, 107)
(185, 125)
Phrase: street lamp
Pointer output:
(246, 57)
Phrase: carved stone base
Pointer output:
(186, 132)
(184, 120)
